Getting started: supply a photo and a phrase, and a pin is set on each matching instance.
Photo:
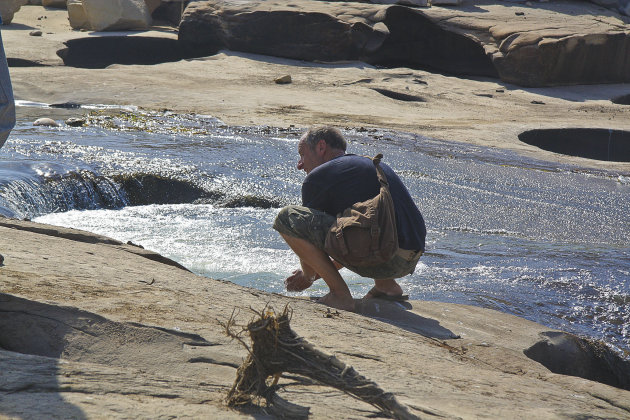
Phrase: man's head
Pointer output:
(319, 145)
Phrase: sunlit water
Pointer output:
(549, 243)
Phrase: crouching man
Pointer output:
(335, 181)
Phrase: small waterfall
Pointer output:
(35, 195)
(29, 197)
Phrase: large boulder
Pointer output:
(109, 15)
(563, 42)
(306, 29)
(8, 9)
(556, 43)
(76, 15)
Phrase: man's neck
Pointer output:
(334, 153)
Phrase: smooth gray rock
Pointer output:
(45, 122)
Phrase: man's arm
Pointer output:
(298, 281)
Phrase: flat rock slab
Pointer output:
(111, 332)
(539, 44)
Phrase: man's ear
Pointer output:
(321, 146)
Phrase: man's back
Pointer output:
(343, 181)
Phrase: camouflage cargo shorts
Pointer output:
(312, 225)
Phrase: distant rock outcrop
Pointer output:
(307, 29)
(109, 15)
(564, 42)
(59, 4)
(8, 9)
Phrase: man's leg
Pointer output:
(317, 261)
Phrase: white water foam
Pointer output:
(236, 244)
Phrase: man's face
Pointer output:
(309, 158)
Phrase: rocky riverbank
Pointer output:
(93, 328)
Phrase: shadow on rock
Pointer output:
(98, 53)
(50, 350)
(567, 354)
(400, 315)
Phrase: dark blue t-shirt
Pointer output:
(339, 183)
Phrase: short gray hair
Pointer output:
(331, 135)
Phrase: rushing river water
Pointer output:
(548, 243)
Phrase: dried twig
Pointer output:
(275, 349)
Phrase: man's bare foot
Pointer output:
(387, 289)
(340, 302)
(297, 281)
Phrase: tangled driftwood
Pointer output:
(276, 348)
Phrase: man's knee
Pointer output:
(304, 223)
(283, 222)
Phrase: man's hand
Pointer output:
(298, 281)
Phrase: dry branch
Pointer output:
(276, 348)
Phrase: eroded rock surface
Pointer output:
(563, 42)
(139, 336)
(306, 30)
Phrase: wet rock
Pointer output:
(283, 80)
(75, 122)
(8, 9)
(66, 105)
(46, 122)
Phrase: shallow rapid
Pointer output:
(546, 242)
